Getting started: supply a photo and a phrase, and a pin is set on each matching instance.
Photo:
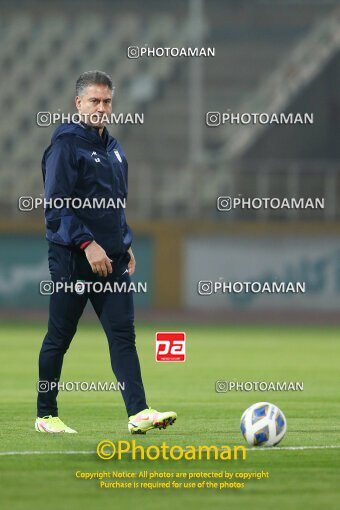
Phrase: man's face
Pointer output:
(95, 101)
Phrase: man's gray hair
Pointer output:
(92, 78)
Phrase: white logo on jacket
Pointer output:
(97, 160)
(118, 156)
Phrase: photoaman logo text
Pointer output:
(108, 450)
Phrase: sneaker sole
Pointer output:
(163, 424)
(39, 427)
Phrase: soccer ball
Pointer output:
(263, 424)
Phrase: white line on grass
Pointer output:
(67, 452)
(273, 448)
(255, 449)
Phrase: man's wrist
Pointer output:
(85, 244)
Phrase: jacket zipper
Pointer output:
(115, 185)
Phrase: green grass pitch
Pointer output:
(299, 479)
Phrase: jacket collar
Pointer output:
(93, 132)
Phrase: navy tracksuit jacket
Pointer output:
(81, 164)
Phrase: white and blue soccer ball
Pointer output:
(263, 424)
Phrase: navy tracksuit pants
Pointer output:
(116, 314)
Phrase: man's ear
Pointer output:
(78, 102)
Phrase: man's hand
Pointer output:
(132, 263)
(99, 261)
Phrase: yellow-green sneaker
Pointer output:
(148, 419)
(52, 425)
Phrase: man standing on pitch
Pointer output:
(92, 245)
